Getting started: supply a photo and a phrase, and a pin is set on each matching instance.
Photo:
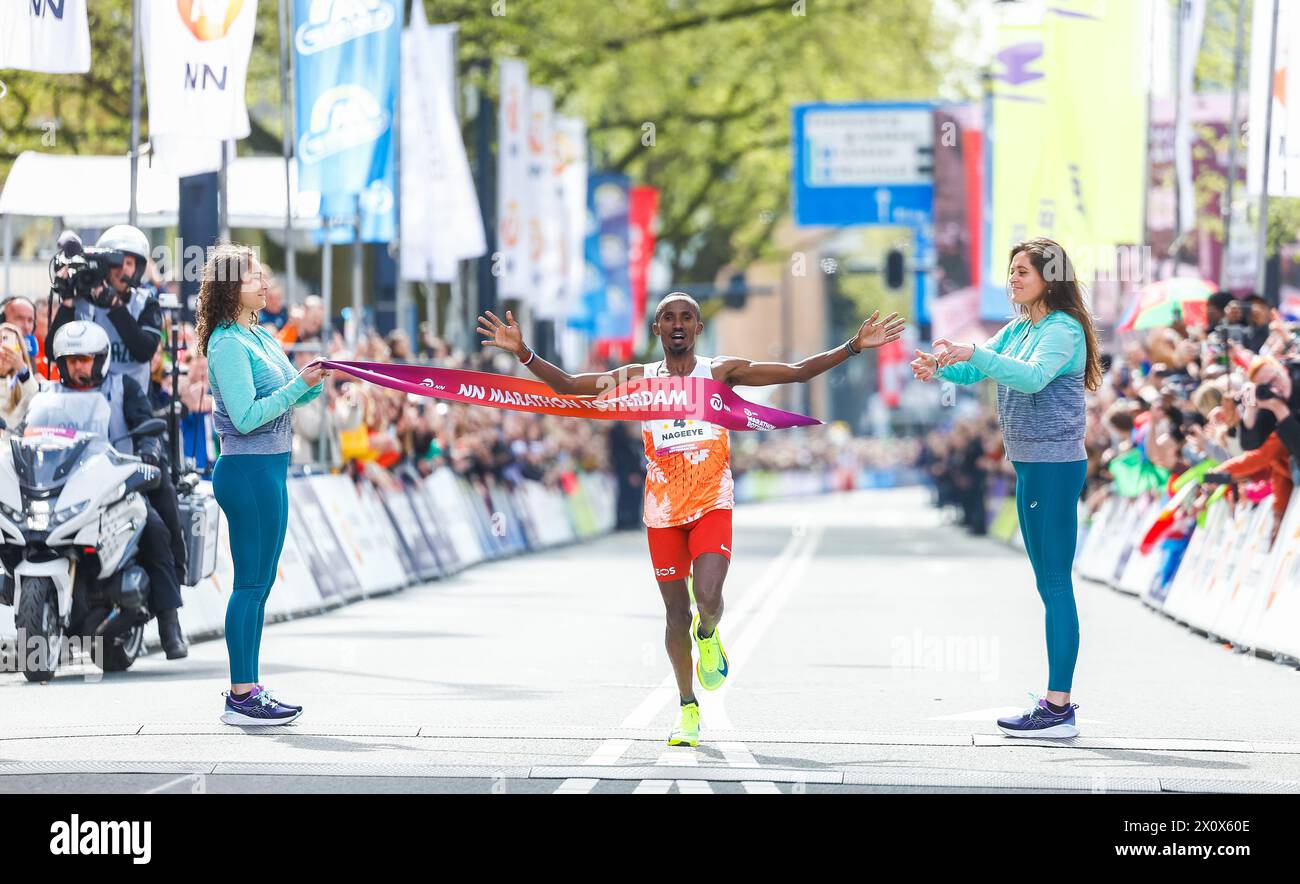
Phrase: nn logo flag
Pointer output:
(196, 66)
(49, 36)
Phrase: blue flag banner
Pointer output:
(346, 64)
(607, 300)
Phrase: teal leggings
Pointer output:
(1047, 499)
(251, 491)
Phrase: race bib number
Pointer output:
(671, 436)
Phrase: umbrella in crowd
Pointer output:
(1161, 303)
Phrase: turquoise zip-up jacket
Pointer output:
(254, 388)
(1039, 369)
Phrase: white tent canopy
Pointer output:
(89, 191)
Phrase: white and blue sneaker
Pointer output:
(258, 708)
(1040, 721)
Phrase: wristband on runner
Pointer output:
(531, 354)
(848, 345)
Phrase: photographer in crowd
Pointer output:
(103, 287)
(82, 351)
(18, 380)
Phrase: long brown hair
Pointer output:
(224, 274)
(1063, 293)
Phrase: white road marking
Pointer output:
(577, 786)
(679, 756)
(737, 754)
(609, 752)
(652, 787)
(761, 788)
(694, 787)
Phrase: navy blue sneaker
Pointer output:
(267, 691)
(258, 708)
(1041, 721)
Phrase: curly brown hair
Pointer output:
(1064, 293)
(224, 274)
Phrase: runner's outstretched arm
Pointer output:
(742, 372)
(509, 337)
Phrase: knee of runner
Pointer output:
(679, 617)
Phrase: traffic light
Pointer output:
(895, 270)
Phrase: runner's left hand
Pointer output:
(877, 333)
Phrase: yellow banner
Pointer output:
(1069, 131)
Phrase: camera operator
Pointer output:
(129, 315)
(132, 318)
(82, 351)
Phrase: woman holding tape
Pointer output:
(254, 387)
(1042, 361)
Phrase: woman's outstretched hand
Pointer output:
(950, 352)
(924, 366)
(878, 332)
(506, 335)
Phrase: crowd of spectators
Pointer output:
(361, 427)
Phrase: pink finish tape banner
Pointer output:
(642, 399)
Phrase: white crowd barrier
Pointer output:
(350, 540)
(758, 485)
(1232, 583)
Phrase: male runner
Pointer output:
(688, 491)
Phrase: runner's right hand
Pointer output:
(924, 366)
(506, 335)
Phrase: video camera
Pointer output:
(87, 270)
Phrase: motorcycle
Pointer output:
(72, 512)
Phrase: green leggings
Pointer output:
(251, 491)
(1047, 500)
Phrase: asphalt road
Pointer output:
(871, 649)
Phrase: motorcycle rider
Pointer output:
(132, 318)
(93, 399)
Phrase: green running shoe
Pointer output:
(712, 666)
(687, 731)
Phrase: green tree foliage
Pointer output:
(692, 96)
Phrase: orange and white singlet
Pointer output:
(689, 470)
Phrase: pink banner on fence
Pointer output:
(638, 400)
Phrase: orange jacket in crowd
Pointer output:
(1272, 458)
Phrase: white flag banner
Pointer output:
(1193, 29)
(571, 185)
(441, 220)
(1284, 150)
(196, 63)
(49, 36)
(184, 156)
(513, 192)
(544, 218)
